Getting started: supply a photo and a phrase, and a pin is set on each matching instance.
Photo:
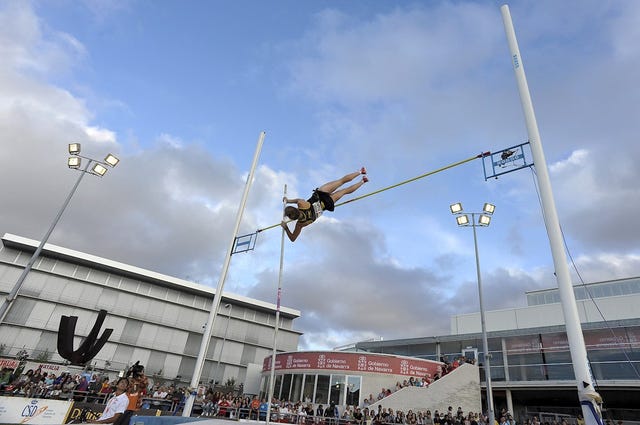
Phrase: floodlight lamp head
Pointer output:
(488, 208)
(484, 220)
(456, 208)
(74, 162)
(99, 169)
(111, 160)
(227, 306)
(74, 148)
(462, 220)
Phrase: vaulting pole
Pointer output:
(589, 398)
(215, 305)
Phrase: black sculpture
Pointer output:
(89, 347)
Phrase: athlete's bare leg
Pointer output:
(340, 193)
(333, 185)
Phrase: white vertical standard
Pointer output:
(589, 398)
(272, 372)
(215, 305)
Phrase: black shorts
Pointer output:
(323, 197)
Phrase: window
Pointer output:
(97, 276)
(81, 272)
(124, 354)
(286, 387)
(322, 390)
(192, 347)
(129, 284)
(20, 311)
(7, 254)
(353, 390)
(309, 388)
(46, 264)
(156, 361)
(131, 331)
(296, 387)
(338, 389)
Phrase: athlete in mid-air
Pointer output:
(323, 198)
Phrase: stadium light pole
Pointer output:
(484, 219)
(224, 339)
(99, 169)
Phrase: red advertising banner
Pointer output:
(612, 338)
(555, 342)
(619, 338)
(523, 345)
(352, 362)
(10, 363)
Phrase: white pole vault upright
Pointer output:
(215, 305)
(272, 373)
(589, 398)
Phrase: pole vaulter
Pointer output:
(446, 167)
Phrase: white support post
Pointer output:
(215, 305)
(272, 372)
(589, 398)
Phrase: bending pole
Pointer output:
(446, 167)
(587, 395)
(272, 380)
(215, 305)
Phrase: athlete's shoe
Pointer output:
(365, 179)
(363, 170)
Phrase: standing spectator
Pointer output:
(332, 413)
(255, 405)
(262, 410)
(319, 412)
(369, 401)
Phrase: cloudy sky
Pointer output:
(180, 91)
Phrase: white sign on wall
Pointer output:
(20, 410)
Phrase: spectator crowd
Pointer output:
(210, 403)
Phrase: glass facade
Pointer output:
(316, 388)
(614, 354)
(585, 292)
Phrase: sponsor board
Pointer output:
(20, 410)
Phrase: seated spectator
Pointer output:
(208, 406)
(81, 389)
(223, 407)
(160, 393)
(105, 387)
(47, 385)
(284, 412)
(94, 388)
(67, 388)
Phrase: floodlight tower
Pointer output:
(99, 169)
(484, 219)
